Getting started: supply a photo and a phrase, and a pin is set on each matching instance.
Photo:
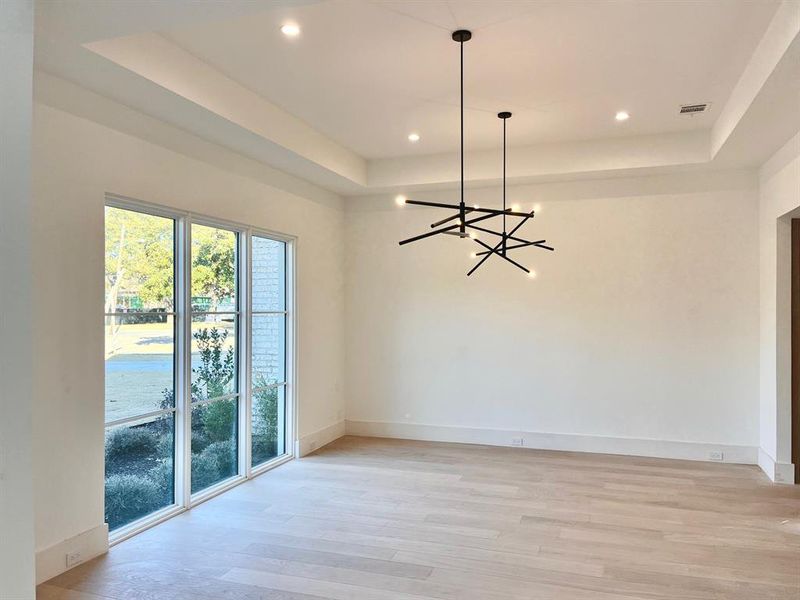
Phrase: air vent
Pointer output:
(691, 109)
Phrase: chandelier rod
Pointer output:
(462, 207)
(504, 182)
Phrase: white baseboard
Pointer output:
(777, 472)
(314, 441)
(52, 561)
(556, 441)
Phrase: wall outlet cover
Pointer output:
(73, 558)
(518, 441)
(715, 455)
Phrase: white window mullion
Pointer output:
(245, 363)
(183, 447)
(138, 417)
(293, 345)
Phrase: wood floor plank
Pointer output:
(379, 519)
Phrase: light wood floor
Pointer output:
(386, 519)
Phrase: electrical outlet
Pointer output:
(73, 558)
(715, 455)
(517, 441)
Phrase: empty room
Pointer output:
(400, 300)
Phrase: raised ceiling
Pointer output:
(368, 73)
(334, 106)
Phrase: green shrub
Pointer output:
(219, 420)
(127, 442)
(215, 463)
(264, 448)
(200, 441)
(265, 412)
(162, 476)
(217, 366)
(265, 423)
(166, 445)
(205, 471)
(129, 497)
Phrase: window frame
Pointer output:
(183, 498)
(125, 421)
(287, 312)
(239, 315)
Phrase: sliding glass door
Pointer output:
(198, 327)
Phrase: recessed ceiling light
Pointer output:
(622, 116)
(290, 29)
(413, 137)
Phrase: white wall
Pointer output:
(76, 162)
(642, 326)
(779, 181)
(16, 490)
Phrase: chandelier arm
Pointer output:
(483, 218)
(515, 246)
(485, 258)
(521, 223)
(445, 230)
(525, 244)
(484, 230)
(501, 255)
(443, 221)
(533, 244)
(520, 240)
(422, 236)
(493, 211)
(507, 236)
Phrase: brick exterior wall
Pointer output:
(268, 287)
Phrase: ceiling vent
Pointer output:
(693, 109)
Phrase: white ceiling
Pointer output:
(367, 73)
(334, 106)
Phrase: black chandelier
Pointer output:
(508, 240)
